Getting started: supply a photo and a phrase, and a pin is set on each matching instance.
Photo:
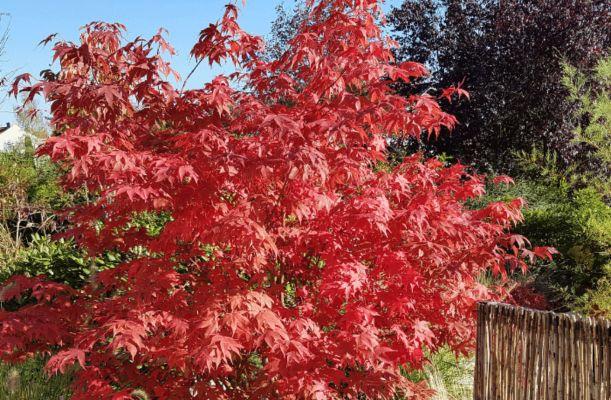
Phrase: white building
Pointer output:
(13, 135)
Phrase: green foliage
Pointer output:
(60, 260)
(575, 221)
(594, 215)
(568, 207)
(151, 222)
(63, 261)
(26, 181)
(28, 381)
(597, 301)
(29, 194)
(591, 91)
(592, 94)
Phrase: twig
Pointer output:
(189, 75)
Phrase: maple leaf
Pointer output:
(228, 347)
(64, 359)
(502, 179)
(448, 92)
(545, 252)
(17, 81)
(15, 286)
(423, 333)
(46, 40)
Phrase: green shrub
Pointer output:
(28, 185)
(597, 302)
(575, 221)
(590, 91)
(60, 260)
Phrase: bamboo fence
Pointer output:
(529, 354)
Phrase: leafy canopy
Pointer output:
(287, 265)
(509, 55)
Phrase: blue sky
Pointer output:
(33, 20)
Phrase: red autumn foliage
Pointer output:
(526, 295)
(293, 266)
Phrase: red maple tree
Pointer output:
(295, 262)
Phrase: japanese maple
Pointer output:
(295, 262)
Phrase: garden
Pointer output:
(318, 222)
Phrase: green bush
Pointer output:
(29, 194)
(590, 91)
(577, 222)
(28, 182)
(59, 260)
(568, 207)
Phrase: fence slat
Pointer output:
(528, 354)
